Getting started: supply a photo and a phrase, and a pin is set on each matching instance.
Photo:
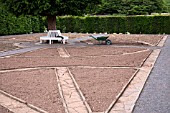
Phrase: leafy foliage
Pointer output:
(48, 7)
(132, 7)
(112, 24)
(10, 24)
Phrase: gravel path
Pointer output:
(17, 51)
(155, 97)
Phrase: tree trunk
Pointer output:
(51, 19)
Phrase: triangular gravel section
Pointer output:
(101, 86)
(37, 87)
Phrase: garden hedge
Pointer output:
(10, 24)
(118, 24)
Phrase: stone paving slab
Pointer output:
(126, 102)
(16, 106)
(71, 98)
(12, 52)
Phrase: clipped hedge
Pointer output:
(10, 24)
(111, 24)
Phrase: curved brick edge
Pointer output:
(145, 43)
(80, 93)
(23, 102)
(121, 92)
(162, 42)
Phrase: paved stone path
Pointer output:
(17, 105)
(155, 97)
(63, 52)
(11, 52)
(73, 100)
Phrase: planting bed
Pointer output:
(101, 86)
(4, 110)
(37, 87)
(130, 60)
(100, 50)
(7, 46)
(52, 52)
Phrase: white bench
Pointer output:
(54, 35)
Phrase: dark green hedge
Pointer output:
(110, 24)
(10, 24)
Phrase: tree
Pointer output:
(131, 7)
(49, 8)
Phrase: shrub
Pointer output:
(10, 24)
(115, 24)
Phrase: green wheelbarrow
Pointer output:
(102, 38)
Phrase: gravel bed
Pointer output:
(132, 39)
(7, 46)
(4, 110)
(52, 52)
(22, 38)
(100, 50)
(37, 87)
(101, 86)
(133, 60)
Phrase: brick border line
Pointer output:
(79, 91)
(124, 53)
(23, 102)
(135, 93)
(63, 52)
(121, 92)
(60, 91)
(162, 41)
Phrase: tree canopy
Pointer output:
(131, 7)
(49, 8)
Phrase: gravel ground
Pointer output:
(118, 39)
(100, 50)
(133, 60)
(101, 86)
(155, 97)
(4, 110)
(37, 87)
(133, 39)
(7, 46)
(52, 52)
